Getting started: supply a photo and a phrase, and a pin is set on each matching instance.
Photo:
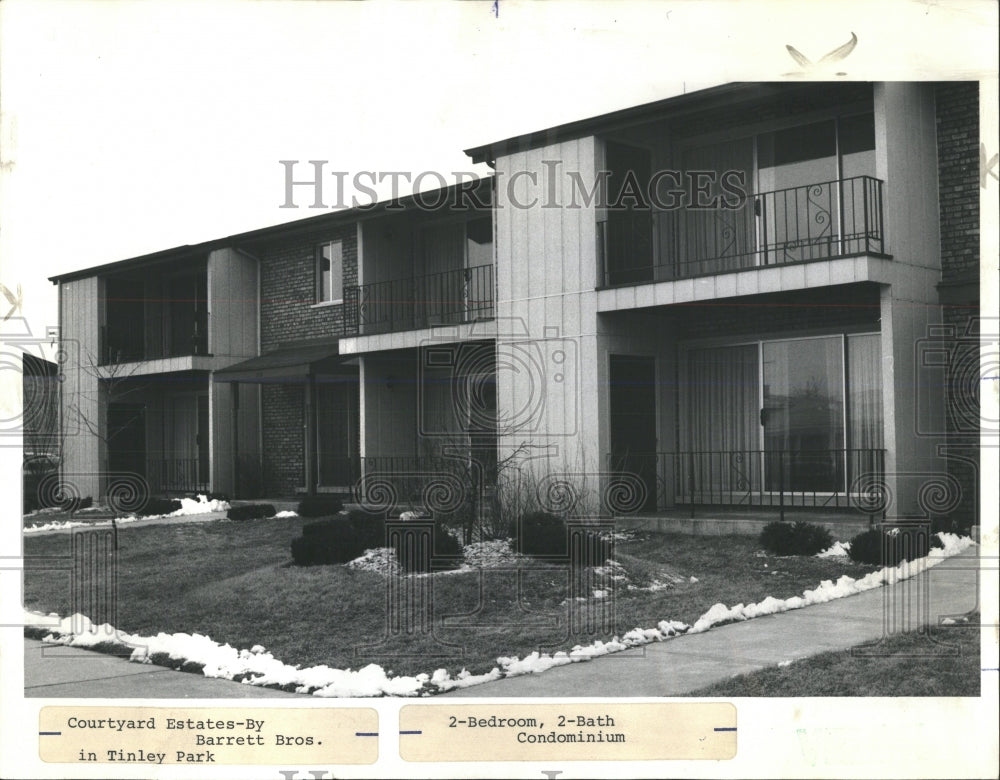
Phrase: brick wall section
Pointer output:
(287, 314)
(958, 176)
(288, 287)
(283, 459)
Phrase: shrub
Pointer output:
(338, 539)
(955, 524)
(346, 536)
(320, 505)
(160, 506)
(888, 548)
(446, 552)
(543, 534)
(799, 538)
(251, 512)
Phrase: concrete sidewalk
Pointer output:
(688, 663)
(57, 671)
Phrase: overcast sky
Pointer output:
(133, 127)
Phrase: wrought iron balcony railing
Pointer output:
(799, 224)
(445, 298)
(840, 478)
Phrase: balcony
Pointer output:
(445, 298)
(820, 221)
(776, 479)
(123, 342)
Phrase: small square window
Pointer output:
(329, 272)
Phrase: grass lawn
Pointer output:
(943, 662)
(235, 582)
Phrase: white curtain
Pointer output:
(720, 432)
(719, 239)
(864, 378)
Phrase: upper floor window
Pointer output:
(329, 272)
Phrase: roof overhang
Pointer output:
(289, 365)
(729, 94)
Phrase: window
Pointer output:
(802, 414)
(329, 273)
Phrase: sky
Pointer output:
(130, 127)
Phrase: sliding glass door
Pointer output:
(800, 416)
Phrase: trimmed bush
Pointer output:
(160, 506)
(320, 505)
(798, 538)
(961, 525)
(446, 553)
(543, 534)
(869, 546)
(251, 512)
(346, 536)
(338, 539)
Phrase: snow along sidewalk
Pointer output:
(693, 661)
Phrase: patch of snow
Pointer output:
(491, 554)
(836, 550)
(381, 560)
(45, 510)
(63, 525)
(286, 513)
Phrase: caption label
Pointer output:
(568, 732)
(204, 736)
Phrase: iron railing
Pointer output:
(444, 298)
(833, 479)
(818, 221)
(177, 475)
(123, 342)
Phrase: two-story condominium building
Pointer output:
(726, 298)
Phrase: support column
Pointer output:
(309, 434)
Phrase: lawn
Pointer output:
(235, 582)
(942, 662)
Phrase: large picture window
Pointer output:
(802, 415)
